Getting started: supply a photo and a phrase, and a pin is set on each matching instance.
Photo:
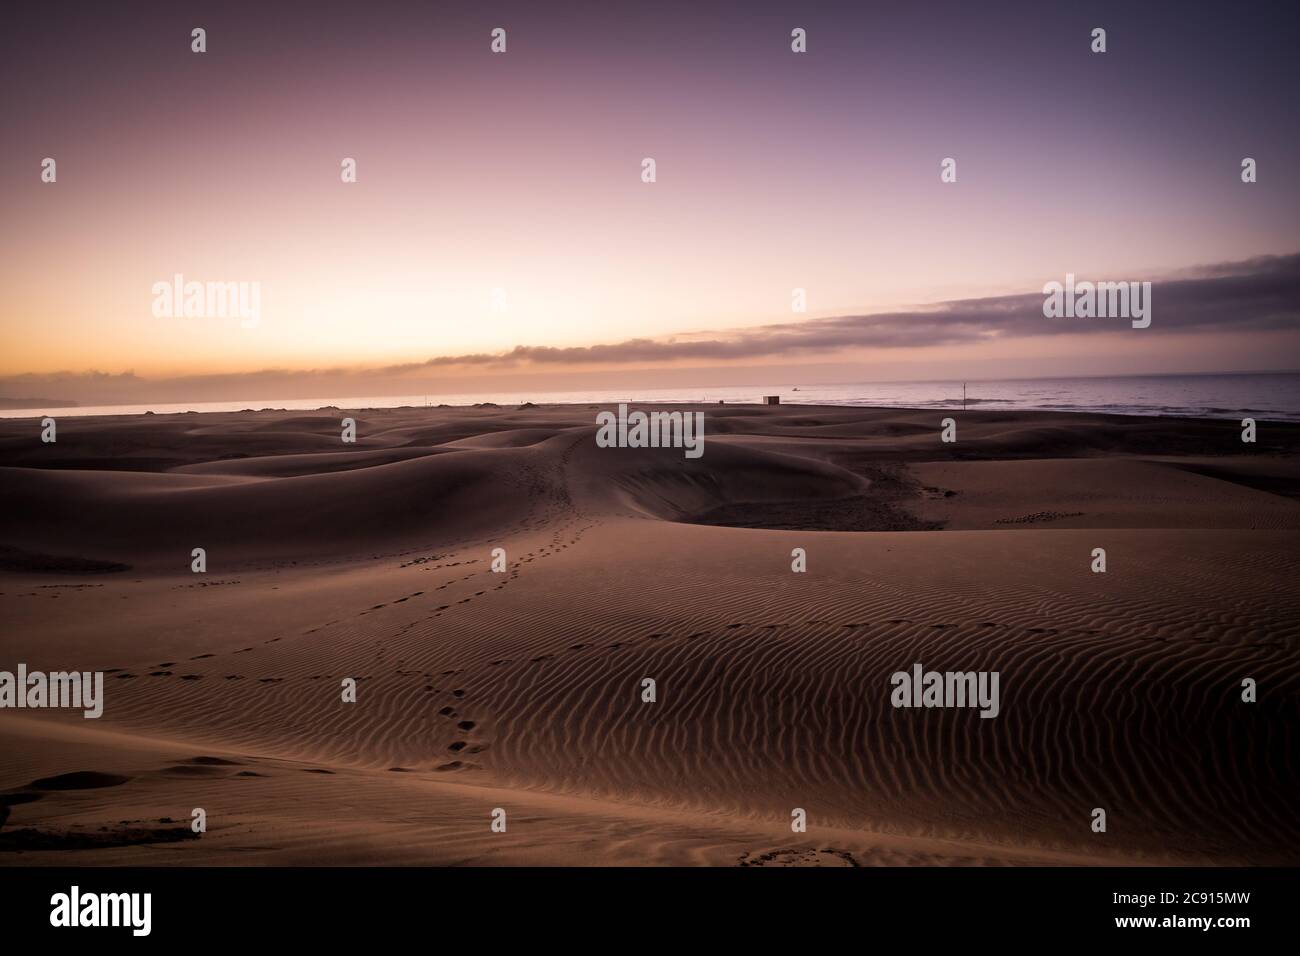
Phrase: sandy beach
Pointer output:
(522, 689)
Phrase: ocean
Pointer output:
(1269, 396)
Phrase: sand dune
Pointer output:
(521, 690)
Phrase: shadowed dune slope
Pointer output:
(155, 520)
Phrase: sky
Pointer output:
(522, 172)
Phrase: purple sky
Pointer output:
(521, 172)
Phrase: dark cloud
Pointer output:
(1257, 294)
